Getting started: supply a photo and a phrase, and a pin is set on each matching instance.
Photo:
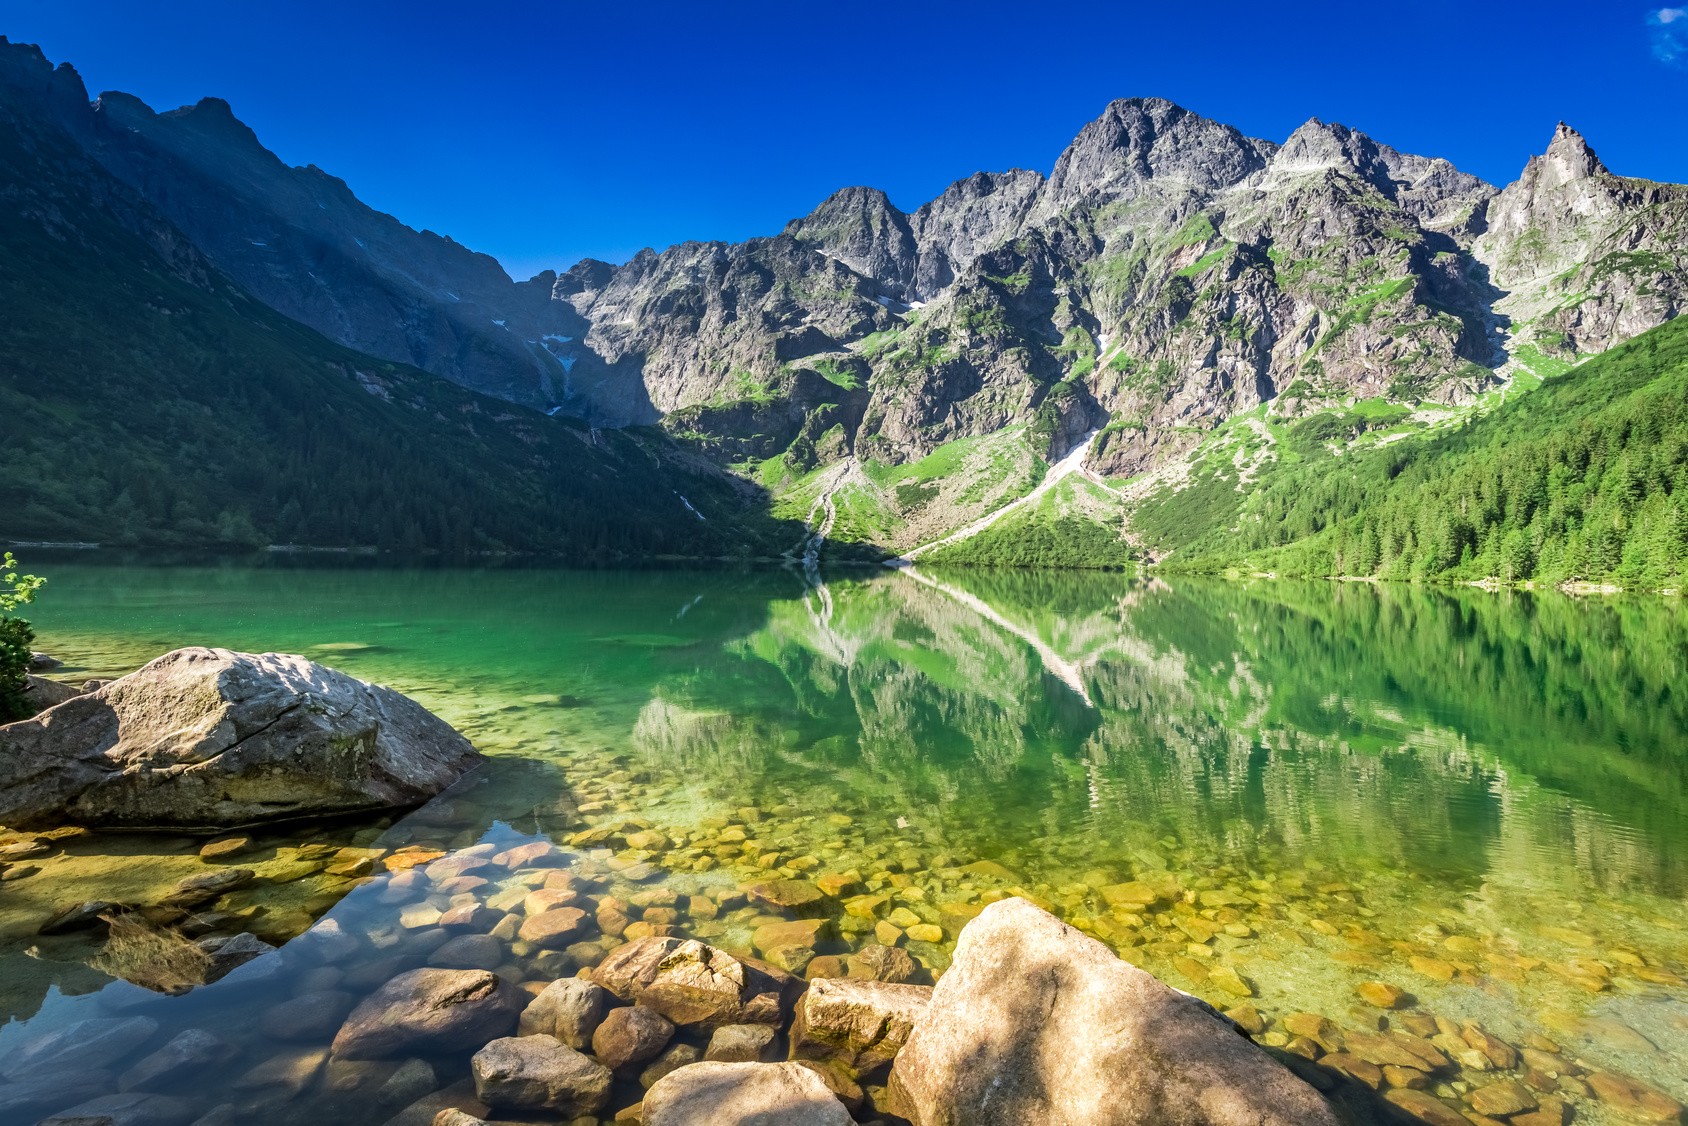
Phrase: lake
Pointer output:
(1480, 799)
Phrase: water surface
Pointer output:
(1478, 798)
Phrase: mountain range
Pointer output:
(1065, 354)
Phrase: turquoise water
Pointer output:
(1477, 798)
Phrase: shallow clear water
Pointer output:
(1478, 798)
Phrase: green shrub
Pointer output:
(15, 639)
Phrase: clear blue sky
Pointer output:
(544, 132)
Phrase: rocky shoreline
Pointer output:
(660, 1030)
(520, 979)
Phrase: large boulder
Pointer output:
(1035, 1024)
(693, 983)
(430, 1012)
(860, 1024)
(202, 737)
(743, 1094)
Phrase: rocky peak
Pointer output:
(1142, 139)
(1318, 146)
(27, 75)
(846, 205)
(206, 133)
(1568, 159)
(213, 114)
(589, 275)
(1434, 191)
(1551, 184)
(973, 216)
(1587, 259)
(862, 229)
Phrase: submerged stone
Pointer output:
(539, 1072)
(308, 1017)
(743, 1094)
(224, 847)
(34, 1095)
(743, 1043)
(630, 1035)
(569, 1010)
(98, 1042)
(430, 1011)
(1425, 1107)
(1382, 994)
(133, 1109)
(797, 896)
(188, 1054)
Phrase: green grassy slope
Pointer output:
(1076, 526)
(1582, 479)
(154, 403)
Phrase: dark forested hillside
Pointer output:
(145, 399)
(1584, 478)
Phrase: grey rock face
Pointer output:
(1170, 273)
(205, 737)
(1137, 140)
(971, 217)
(1036, 1024)
(860, 228)
(712, 323)
(430, 1011)
(743, 1094)
(1585, 259)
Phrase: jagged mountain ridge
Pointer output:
(1168, 274)
(1034, 281)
